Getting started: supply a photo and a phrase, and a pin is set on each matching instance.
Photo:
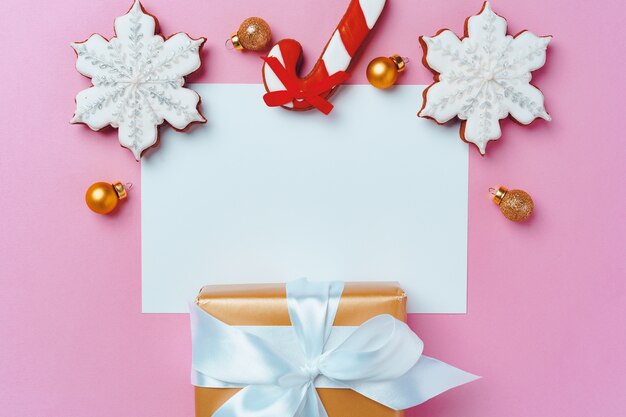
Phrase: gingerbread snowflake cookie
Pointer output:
(138, 79)
(483, 77)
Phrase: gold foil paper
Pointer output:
(266, 305)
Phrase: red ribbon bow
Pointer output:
(312, 93)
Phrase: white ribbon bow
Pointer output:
(381, 359)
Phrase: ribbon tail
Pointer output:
(320, 104)
(277, 98)
(312, 405)
(320, 406)
(427, 379)
(283, 97)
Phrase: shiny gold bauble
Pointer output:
(383, 72)
(254, 34)
(102, 197)
(516, 205)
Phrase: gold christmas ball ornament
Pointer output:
(383, 72)
(254, 34)
(516, 205)
(102, 197)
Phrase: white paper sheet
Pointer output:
(258, 194)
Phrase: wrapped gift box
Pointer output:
(266, 305)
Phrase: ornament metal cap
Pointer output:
(120, 190)
(499, 194)
(234, 39)
(399, 61)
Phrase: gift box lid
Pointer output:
(266, 304)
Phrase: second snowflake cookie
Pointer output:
(484, 77)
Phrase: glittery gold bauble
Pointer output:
(254, 34)
(102, 197)
(383, 72)
(516, 205)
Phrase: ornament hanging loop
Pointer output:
(229, 44)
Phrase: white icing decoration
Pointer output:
(137, 81)
(372, 10)
(485, 77)
(336, 57)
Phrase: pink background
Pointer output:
(546, 317)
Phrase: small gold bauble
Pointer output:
(102, 197)
(516, 205)
(254, 34)
(383, 72)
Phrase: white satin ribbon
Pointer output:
(279, 367)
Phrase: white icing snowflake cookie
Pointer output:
(138, 80)
(484, 77)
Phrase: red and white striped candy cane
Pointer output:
(280, 70)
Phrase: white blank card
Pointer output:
(369, 193)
